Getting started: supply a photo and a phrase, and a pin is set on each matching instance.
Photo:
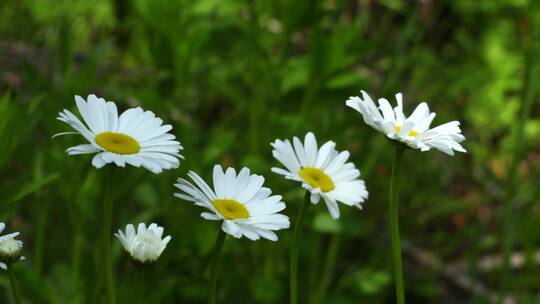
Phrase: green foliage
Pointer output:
(232, 76)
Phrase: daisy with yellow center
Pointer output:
(414, 130)
(323, 171)
(136, 137)
(240, 201)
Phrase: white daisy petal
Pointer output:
(284, 152)
(315, 197)
(332, 206)
(310, 144)
(202, 185)
(232, 229)
(126, 119)
(210, 216)
(386, 110)
(69, 118)
(267, 234)
(98, 161)
(325, 154)
(300, 151)
(82, 149)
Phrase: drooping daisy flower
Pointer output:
(10, 248)
(240, 201)
(413, 130)
(136, 137)
(145, 245)
(323, 171)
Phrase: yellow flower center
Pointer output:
(117, 143)
(230, 209)
(316, 178)
(412, 133)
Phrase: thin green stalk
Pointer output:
(41, 224)
(108, 204)
(510, 214)
(137, 284)
(293, 270)
(76, 258)
(42, 214)
(14, 287)
(328, 271)
(394, 224)
(214, 266)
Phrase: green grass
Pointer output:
(232, 76)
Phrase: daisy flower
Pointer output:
(240, 201)
(135, 137)
(323, 171)
(414, 130)
(10, 248)
(144, 245)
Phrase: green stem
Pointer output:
(214, 266)
(328, 271)
(40, 236)
(76, 258)
(510, 214)
(293, 270)
(41, 217)
(394, 224)
(107, 219)
(14, 288)
(137, 284)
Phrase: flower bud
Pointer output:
(146, 245)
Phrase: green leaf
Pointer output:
(25, 190)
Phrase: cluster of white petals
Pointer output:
(323, 171)
(136, 137)
(144, 245)
(240, 201)
(413, 130)
(10, 248)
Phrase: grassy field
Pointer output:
(231, 77)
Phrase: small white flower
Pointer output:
(240, 201)
(413, 130)
(136, 137)
(145, 245)
(323, 172)
(10, 248)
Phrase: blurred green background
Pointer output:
(232, 76)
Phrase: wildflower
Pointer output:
(146, 244)
(414, 131)
(244, 206)
(10, 248)
(324, 172)
(136, 137)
